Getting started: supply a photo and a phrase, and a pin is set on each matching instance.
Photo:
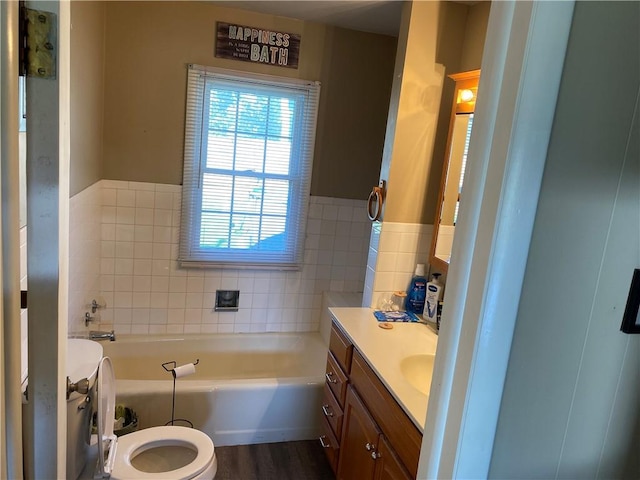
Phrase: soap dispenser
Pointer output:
(416, 291)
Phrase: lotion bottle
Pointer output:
(416, 291)
(433, 296)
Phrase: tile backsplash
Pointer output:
(394, 250)
(146, 291)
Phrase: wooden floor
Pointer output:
(274, 461)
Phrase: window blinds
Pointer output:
(249, 143)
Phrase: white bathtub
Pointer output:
(248, 388)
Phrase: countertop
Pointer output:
(385, 349)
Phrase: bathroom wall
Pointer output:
(432, 43)
(354, 101)
(144, 48)
(149, 44)
(87, 99)
(434, 39)
(145, 290)
(475, 33)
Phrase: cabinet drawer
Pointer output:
(329, 444)
(394, 423)
(332, 411)
(341, 347)
(336, 379)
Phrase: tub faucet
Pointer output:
(96, 335)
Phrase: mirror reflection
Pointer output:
(454, 167)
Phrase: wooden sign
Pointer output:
(257, 45)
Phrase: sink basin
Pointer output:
(417, 370)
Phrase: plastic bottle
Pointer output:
(417, 291)
(433, 296)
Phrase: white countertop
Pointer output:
(385, 349)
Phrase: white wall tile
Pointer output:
(115, 184)
(145, 199)
(177, 300)
(140, 233)
(123, 266)
(144, 216)
(164, 200)
(159, 283)
(109, 197)
(162, 217)
(125, 215)
(142, 186)
(125, 198)
(141, 266)
(141, 300)
(143, 233)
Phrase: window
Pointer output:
(248, 152)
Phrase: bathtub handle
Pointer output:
(325, 409)
(323, 443)
(329, 377)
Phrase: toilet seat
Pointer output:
(135, 443)
(121, 451)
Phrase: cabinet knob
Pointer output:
(370, 446)
(323, 442)
(375, 455)
(329, 377)
(327, 412)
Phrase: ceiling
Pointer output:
(375, 16)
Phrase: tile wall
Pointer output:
(394, 250)
(146, 291)
(84, 255)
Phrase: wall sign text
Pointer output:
(257, 45)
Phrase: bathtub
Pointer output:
(248, 388)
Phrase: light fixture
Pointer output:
(466, 95)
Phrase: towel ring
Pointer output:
(376, 199)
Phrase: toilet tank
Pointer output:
(83, 357)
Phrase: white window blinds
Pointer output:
(249, 143)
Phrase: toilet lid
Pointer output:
(106, 394)
(162, 440)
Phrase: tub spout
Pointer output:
(96, 335)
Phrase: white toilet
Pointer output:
(170, 452)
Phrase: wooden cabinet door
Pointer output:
(388, 465)
(359, 441)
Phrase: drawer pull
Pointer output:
(324, 444)
(329, 377)
(327, 412)
(375, 455)
(370, 447)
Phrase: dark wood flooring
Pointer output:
(303, 460)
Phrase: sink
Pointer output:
(417, 370)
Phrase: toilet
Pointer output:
(169, 452)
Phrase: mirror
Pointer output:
(464, 101)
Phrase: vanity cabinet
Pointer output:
(365, 432)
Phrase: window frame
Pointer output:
(191, 253)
